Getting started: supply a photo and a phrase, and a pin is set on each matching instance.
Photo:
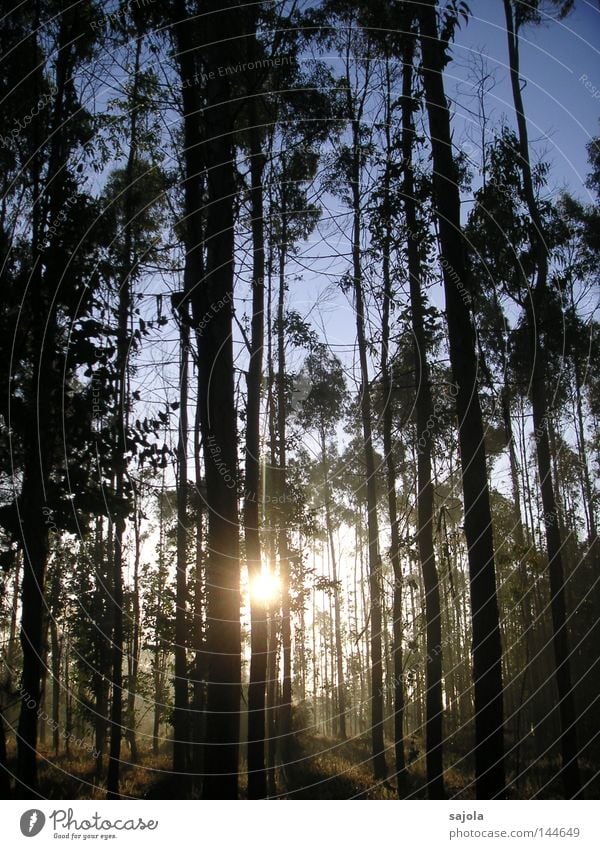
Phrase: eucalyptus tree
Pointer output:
(209, 145)
(487, 650)
(539, 327)
(424, 436)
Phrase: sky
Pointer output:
(558, 58)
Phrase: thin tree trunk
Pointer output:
(377, 741)
(257, 778)
(133, 661)
(181, 716)
(198, 689)
(120, 462)
(282, 536)
(56, 652)
(341, 684)
(391, 474)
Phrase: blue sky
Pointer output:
(562, 113)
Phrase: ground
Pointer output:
(319, 768)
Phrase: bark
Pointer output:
(35, 557)
(218, 420)
(487, 651)
(212, 305)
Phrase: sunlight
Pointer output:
(265, 587)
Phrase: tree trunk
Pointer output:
(133, 661)
(213, 300)
(35, 556)
(198, 687)
(211, 295)
(55, 644)
(377, 740)
(390, 461)
(538, 332)
(341, 684)
(120, 461)
(181, 716)
(424, 410)
(257, 777)
(282, 535)
(487, 651)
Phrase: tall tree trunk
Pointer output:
(390, 463)
(198, 687)
(282, 535)
(377, 740)
(211, 150)
(181, 716)
(35, 514)
(270, 546)
(257, 777)
(213, 297)
(120, 462)
(341, 684)
(487, 650)
(35, 557)
(133, 661)
(56, 652)
(424, 410)
(102, 556)
(538, 333)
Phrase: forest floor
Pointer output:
(321, 767)
(327, 768)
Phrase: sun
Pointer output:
(265, 587)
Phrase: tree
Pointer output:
(487, 651)
(538, 327)
(211, 296)
(424, 410)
